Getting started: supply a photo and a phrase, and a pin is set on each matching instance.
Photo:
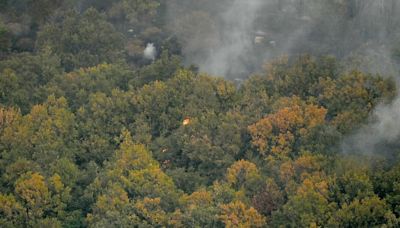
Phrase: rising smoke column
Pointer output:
(236, 39)
(377, 136)
(218, 35)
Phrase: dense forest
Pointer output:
(199, 113)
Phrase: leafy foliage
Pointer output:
(94, 135)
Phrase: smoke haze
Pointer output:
(235, 39)
(383, 131)
(234, 42)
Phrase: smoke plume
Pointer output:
(233, 38)
(150, 52)
(382, 131)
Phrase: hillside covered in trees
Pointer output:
(160, 113)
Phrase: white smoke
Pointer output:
(218, 35)
(150, 52)
(233, 38)
(236, 39)
(384, 129)
(221, 37)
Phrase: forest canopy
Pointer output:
(136, 113)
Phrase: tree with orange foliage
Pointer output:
(280, 134)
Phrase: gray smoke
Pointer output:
(378, 19)
(217, 36)
(383, 130)
(234, 38)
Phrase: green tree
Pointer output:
(132, 185)
(353, 185)
(112, 209)
(12, 212)
(23, 77)
(82, 40)
(268, 199)
(244, 176)
(309, 206)
(33, 191)
(44, 135)
(78, 85)
(198, 210)
(5, 38)
(367, 212)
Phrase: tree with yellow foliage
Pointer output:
(244, 176)
(132, 184)
(236, 214)
(280, 134)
